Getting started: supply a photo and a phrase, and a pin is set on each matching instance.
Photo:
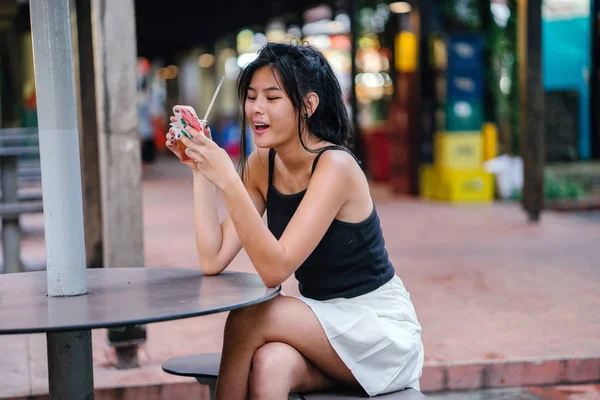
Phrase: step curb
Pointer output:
(436, 377)
(499, 374)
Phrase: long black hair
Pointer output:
(302, 69)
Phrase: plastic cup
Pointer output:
(181, 146)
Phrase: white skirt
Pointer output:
(377, 335)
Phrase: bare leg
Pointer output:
(286, 320)
(278, 369)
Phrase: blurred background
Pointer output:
(432, 86)
(466, 112)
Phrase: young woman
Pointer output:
(354, 323)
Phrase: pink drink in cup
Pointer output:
(186, 116)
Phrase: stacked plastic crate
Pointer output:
(457, 175)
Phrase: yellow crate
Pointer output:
(465, 186)
(458, 150)
(490, 141)
(406, 46)
(427, 181)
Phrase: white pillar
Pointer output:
(70, 368)
(59, 145)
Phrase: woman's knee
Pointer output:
(272, 369)
(253, 318)
(241, 319)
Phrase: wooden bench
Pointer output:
(15, 144)
(205, 367)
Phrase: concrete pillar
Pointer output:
(88, 136)
(120, 156)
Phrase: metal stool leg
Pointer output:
(211, 383)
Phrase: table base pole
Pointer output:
(70, 366)
(11, 246)
(11, 231)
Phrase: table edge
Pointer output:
(275, 292)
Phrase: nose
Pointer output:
(257, 106)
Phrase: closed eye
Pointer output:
(273, 98)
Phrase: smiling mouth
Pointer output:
(260, 128)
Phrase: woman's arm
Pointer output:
(331, 186)
(276, 260)
(217, 242)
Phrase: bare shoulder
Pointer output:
(339, 164)
(257, 169)
(338, 170)
(259, 160)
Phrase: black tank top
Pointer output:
(350, 260)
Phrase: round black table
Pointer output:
(116, 297)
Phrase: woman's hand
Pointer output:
(210, 160)
(179, 150)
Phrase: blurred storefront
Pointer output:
(331, 34)
(436, 89)
(595, 81)
(398, 47)
(567, 51)
(434, 81)
(460, 140)
(320, 26)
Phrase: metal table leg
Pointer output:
(11, 233)
(70, 366)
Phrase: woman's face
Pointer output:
(269, 110)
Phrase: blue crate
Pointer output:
(463, 116)
(466, 84)
(465, 51)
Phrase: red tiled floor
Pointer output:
(488, 287)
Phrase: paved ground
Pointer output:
(495, 295)
(571, 392)
(590, 215)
